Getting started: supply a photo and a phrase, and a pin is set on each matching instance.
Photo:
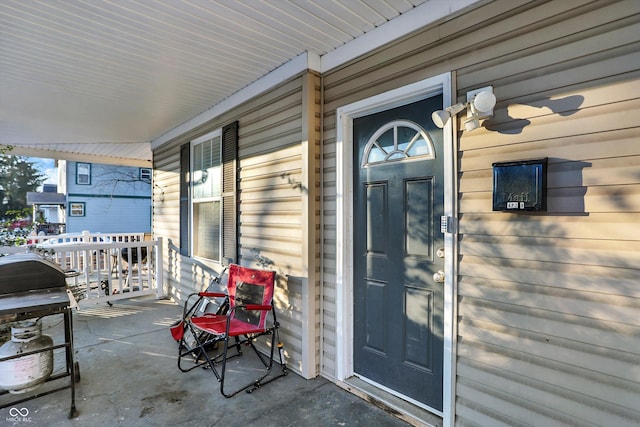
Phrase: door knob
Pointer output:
(438, 277)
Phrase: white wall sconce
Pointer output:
(479, 105)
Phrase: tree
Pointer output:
(17, 177)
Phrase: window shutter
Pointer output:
(185, 164)
(229, 199)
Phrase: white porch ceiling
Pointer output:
(102, 79)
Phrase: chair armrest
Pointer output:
(257, 307)
(212, 294)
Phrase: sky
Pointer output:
(46, 167)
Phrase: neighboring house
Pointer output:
(105, 198)
(48, 209)
(486, 317)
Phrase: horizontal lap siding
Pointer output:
(270, 203)
(166, 193)
(270, 225)
(166, 216)
(548, 325)
(548, 332)
(328, 274)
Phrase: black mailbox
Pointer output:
(520, 186)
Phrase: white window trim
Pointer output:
(145, 171)
(80, 165)
(200, 140)
(344, 227)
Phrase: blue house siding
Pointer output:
(111, 214)
(114, 199)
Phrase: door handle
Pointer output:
(438, 277)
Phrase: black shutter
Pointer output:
(185, 164)
(229, 199)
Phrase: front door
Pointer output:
(398, 202)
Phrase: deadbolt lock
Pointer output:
(440, 252)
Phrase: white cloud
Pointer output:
(52, 176)
(47, 168)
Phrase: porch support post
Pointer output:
(310, 142)
(159, 267)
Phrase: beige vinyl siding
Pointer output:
(165, 217)
(329, 289)
(166, 191)
(272, 198)
(548, 331)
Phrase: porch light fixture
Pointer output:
(441, 117)
(479, 106)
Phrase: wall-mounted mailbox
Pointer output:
(520, 186)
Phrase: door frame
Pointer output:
(344, 226)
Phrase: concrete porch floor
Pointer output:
(129, 377)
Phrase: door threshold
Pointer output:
(402, 409)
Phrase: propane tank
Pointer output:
(26, 373)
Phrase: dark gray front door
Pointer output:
(398, 201)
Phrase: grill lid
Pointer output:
(27, 272)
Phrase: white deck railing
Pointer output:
(123, 266)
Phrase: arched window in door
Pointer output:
(396, 141)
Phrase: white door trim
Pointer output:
(344, 225)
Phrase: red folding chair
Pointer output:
(250, 315)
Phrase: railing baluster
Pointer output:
(98, 261)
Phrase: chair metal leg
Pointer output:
(283, 364)
(258, 383)
(196, 353)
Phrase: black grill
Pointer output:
(30, 283)
(32, 287)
